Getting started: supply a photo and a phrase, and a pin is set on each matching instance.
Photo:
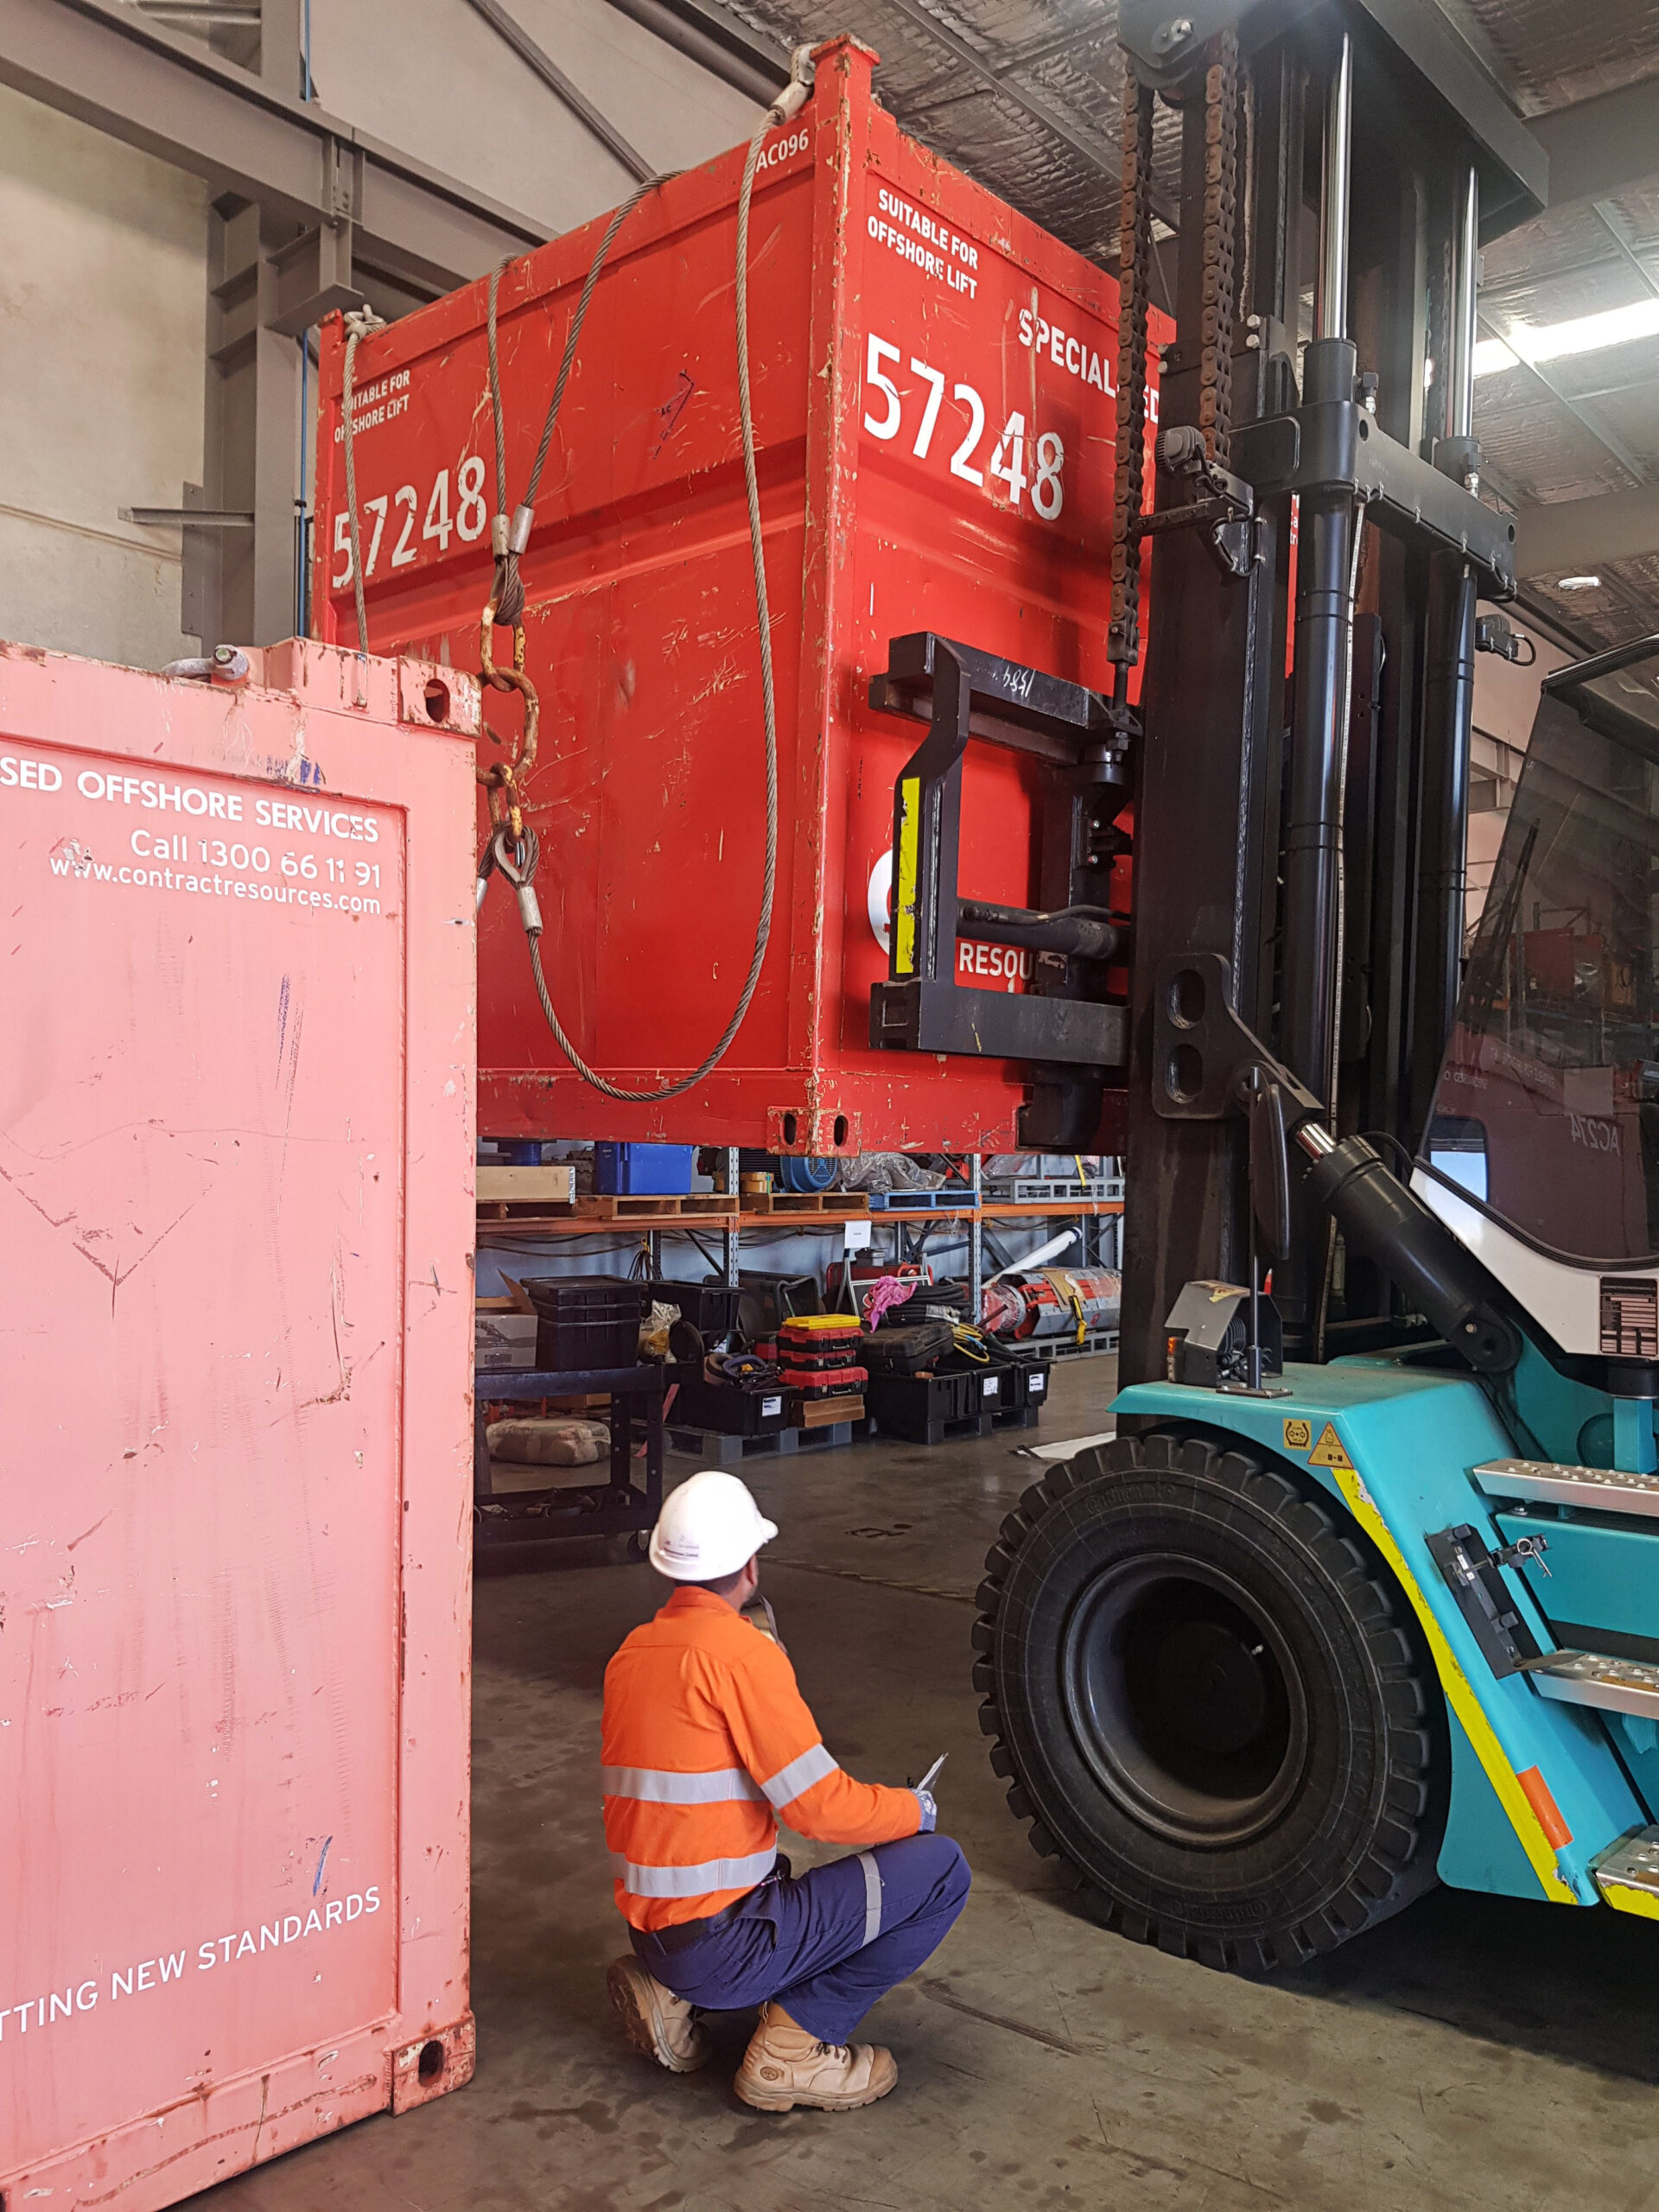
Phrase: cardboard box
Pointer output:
(505, 1340)
(527, 1186)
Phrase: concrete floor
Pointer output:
(1473, 2052)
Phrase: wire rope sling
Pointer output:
(512, 849)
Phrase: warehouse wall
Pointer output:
(485, 119)
(102, 319)
(104, 273)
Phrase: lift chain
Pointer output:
(1135, 276)
(504, 779)
(1220, 232)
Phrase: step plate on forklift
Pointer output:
(1604, 1489)
(1628, 1875)
(1592, 1678)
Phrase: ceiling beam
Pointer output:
(1579, 536)
(1597, 147)
(565, 90)
(717, 41)
(110, 67)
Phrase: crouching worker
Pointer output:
(707, 1742)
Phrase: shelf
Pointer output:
(1049, 1208)
(716, 1223)
(1036, 1210)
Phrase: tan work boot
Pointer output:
(657, 2023)
(784, 2067)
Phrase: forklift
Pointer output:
(1365, 1593)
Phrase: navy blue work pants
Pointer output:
(825, 1944)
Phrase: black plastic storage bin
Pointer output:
(586, 1321)
(708, 1306)
(727, 1411)
(1020, 1393)
(926, 1409)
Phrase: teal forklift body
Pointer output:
(1537, 1788)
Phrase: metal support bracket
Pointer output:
(1471, 1574)
(1336, 446)
(315, 278)
(1223, 506)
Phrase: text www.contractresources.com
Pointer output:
(230, 871)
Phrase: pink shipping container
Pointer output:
(235, 1172)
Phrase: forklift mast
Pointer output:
(1302, 762)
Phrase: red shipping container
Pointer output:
(934, 395)
(236, 1168)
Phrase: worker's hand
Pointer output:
(930, 1811)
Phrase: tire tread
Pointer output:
(1390, 1871)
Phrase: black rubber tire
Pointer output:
(1345, 1831)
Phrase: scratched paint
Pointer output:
(933, 382)
(236, 1147)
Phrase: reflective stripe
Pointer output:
(697, 1881)
(800, 1774)
(872, 1895)
(657, 1785)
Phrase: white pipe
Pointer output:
(1040, 1258)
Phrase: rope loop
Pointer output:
(361, 323)
(513, 530)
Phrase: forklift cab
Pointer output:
(1542, 1151)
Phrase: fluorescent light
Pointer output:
(1555, 341)
(1491, 355)
(1588, 334)
(1580, 583)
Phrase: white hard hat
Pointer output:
(709, 1528)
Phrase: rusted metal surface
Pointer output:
(235, 1158)
(934, 383)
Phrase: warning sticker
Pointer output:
(1328, 1452)
(1299, 1434)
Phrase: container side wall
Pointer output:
(934, 384)
(209, 1156)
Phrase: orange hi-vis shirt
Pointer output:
(707, 1740)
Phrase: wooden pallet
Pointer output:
(956, 1199)
(715, 1449)
(699, 1205)
(854, 1203)
(702, 1205)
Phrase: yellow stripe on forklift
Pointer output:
(1522, 1817)
(903, 904)
(1624, 1898)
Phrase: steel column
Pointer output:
(730, 1237)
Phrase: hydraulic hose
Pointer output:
(520, 870)
(1384, 1218)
